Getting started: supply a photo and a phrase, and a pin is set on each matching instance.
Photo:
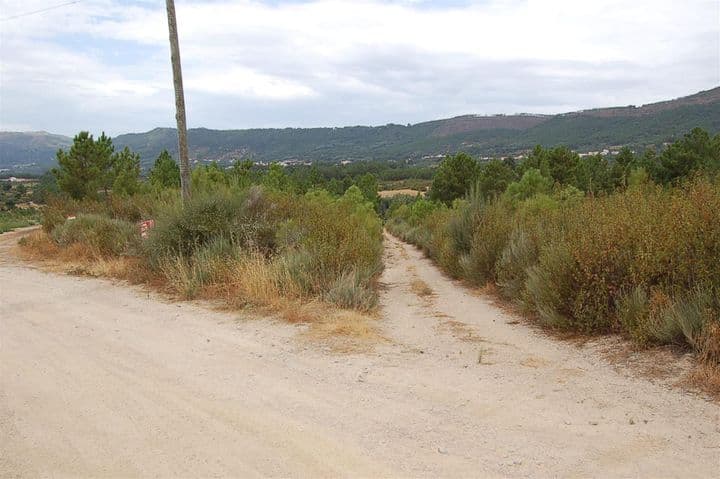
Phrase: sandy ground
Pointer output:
(405, 191)
(101, 379)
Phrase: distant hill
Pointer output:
(29, 151)
(652, 124)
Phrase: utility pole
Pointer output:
(179, 102)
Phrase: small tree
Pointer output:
(494, 178)
(538, 159)
(165, 173)
(563, 164)
(86, 167)
(454, 178)
(275, 178)
(593, 174)
(531, 184)
(624, 162)
(240, 173)
(126, 172)
(695, 151)
(47, 185)
(209, 177)
(369, 187)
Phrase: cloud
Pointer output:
(104, 64)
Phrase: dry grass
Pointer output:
(250, 280)
(704, 378)
(421, 288)
(37, 247)
(345, 331)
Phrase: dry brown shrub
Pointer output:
(705, 378)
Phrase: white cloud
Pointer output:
(338, 62)
(245, 82)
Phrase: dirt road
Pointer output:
(99, 379)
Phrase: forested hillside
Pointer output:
(499, 135)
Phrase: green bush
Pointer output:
(353, 290)
(180, 231)
(102, 235)
(308, 244)
(491, 233)
(625, 262)
(520, 254)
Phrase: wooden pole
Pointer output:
(179, 102)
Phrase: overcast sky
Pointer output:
(105, 64)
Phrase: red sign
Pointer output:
(145, 227)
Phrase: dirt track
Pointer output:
(99, 379)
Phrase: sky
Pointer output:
(104, 65)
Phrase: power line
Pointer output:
(42, 10)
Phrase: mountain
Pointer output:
(30, 151)
(639, 127)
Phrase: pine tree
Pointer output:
(86, 167)
(126, 172)
(165, 173)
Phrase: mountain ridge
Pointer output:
(647, 125)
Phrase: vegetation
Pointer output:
(16, 204)
(652, 125)
(17, 218)
(248, 237)
(630, 245)
(626, 243)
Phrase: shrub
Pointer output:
(551, 289)
(531, 184)
(520, 254)
(352, 290)
(491, 233)
(340, 234)
(207, 217)
(102, 235)
(694, 315)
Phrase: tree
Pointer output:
(538, 159)
(369, 187)
(563, 163)
(126, 172)
(531, 184)
(240, 172)
(494, 177)
(694, 152)
(454, 178)
(624, 162)
(47, 185)
(86, 167)
(276, 179)
(593, 174)
(165, 173)
(208, 177)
